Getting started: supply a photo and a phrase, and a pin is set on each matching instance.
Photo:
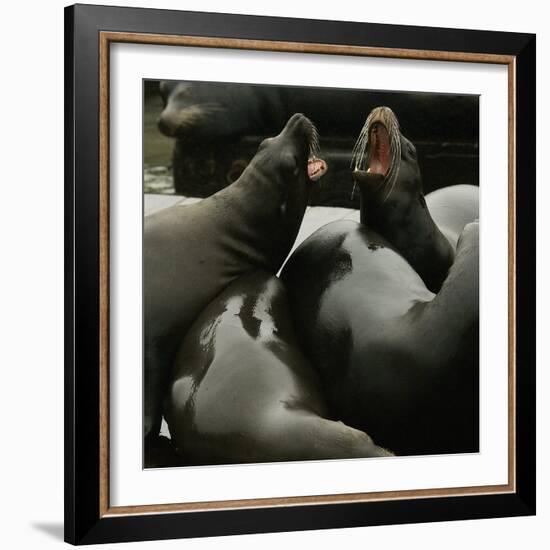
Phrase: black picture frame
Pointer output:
(86, 521)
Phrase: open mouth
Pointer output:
(379, 154)
(316, 168)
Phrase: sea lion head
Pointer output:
(385, 161)
(289, 163)
(186, 109)
(293, 154)
(387, 173)
(202, 112)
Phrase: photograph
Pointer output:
(275, 275)
(299, 279)
(310, 273)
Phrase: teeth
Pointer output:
(316, 168)
(361, 155)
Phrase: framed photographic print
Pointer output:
(299, 274)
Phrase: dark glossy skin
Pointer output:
(396, 360)
(243, 392)
(401, 214)
(451, 208)
(192, 253)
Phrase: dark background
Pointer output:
(443, 127)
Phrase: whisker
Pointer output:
(361, 153)
(313, 138)
(353, 190)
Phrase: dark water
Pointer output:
(157, 150)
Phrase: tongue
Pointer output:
(380, 156)
(316, 168)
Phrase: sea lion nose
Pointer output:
(166, 124)
(162, 125)
(291, 123)
(297, 118)
(300, 126)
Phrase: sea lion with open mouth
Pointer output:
(193, 253)
(396, 360)
(243, 392)
(392, 201)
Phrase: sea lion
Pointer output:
(393, 204)
(396, 360)
(243, 392)
(192, 253)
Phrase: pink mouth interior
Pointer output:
(316, 168)
(380, 150)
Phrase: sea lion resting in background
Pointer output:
(192, 253)
(396, 360)
(243, 392)
(211, 111)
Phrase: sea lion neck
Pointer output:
(268, 209)
(405, 221)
